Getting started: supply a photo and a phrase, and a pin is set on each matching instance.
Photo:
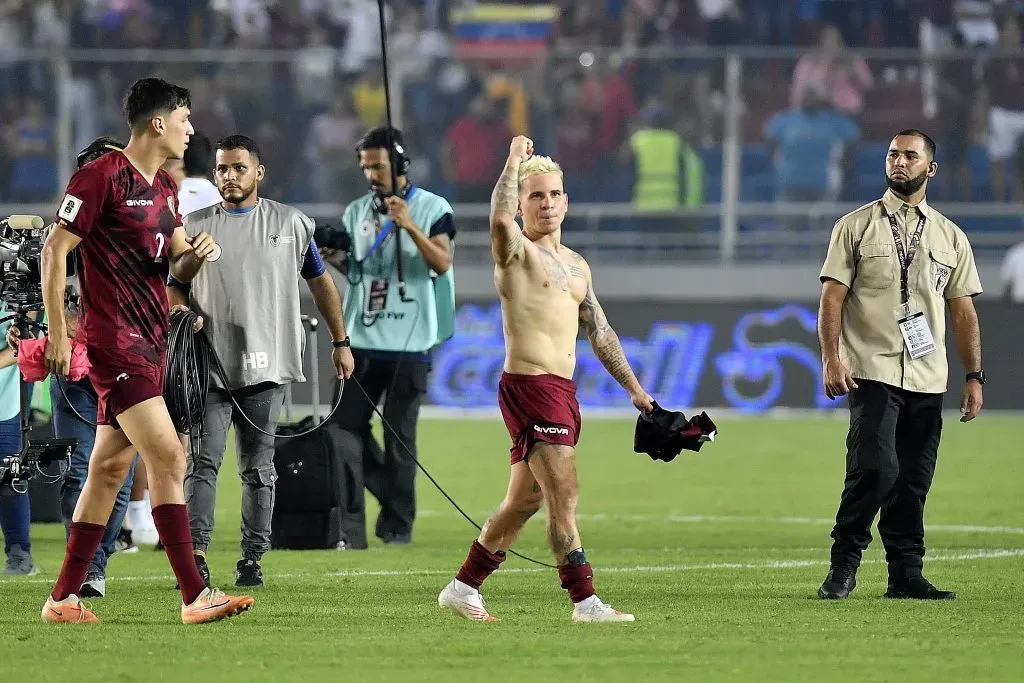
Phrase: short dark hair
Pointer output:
(377, 138)
(150, 96)
(929, 144)
(197, 160)
(97, 148)
(240, 142)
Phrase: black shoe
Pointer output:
(248, 574)
(396, 539)
(204, 571)
(839, 583)
(916, 588)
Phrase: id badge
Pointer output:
(377, 299)
(917, 336)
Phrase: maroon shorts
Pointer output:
(122, 379)
(538, 408)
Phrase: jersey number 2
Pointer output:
(160, 241)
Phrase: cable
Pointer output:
(190, 357)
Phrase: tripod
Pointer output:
(16, 470)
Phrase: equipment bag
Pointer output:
(315, 504)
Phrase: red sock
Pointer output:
(83, 541)
(578, 579)
(172, 524)
(479, 564)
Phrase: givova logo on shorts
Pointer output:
(564, 431)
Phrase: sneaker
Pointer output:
(465, 601)
(248, 574)
(213, 605)
(19, 561)
(592, 610)
(204, 571)
(147, 535)
(95, 585)
(70, 610)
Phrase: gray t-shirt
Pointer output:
(249, 297)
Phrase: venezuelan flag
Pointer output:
(491, 30)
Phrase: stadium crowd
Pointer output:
(608, 118)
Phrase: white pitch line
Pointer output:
(752, 519)
(961, 556)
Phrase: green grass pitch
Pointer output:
(718, 554)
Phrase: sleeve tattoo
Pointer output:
(604, 341)
(506, 237)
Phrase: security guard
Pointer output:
(892, 267)
(393, 331)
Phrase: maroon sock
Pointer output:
(172, 524)
(578, 579)
(480, 563)
(83, 541)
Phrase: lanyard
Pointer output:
(905, 254)
(385, 231)
(381, 236)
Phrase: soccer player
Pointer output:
(546, 295)
(120, 213)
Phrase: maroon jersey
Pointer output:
(125, 225)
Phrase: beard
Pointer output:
(906, 187)
(237, 196)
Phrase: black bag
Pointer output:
(43, 492)
(314, 502)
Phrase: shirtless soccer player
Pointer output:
(547, 296)
(120, 213)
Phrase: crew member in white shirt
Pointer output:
(191, 172)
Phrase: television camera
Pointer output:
(21, 290)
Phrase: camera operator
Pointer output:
(251, 315)
(392, 332)
(81, 398)
(15, 509)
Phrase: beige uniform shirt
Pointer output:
(862, 255)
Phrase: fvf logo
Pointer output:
(564, 431)
(256, 360)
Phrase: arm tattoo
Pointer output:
(604, 341)
(504, 203)
(505, 197)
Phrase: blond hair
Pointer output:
(538, 165)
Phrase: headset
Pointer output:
(378, 137)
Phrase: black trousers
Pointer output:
(388, 473)
(891, 451)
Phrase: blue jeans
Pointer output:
(15, 512)
(66, 425)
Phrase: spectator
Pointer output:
(329, 148)
(34, 173)
(575, 135)
(368, 95)
(832, 69)
(1003, 94)
(474, 149)
(808, 144)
